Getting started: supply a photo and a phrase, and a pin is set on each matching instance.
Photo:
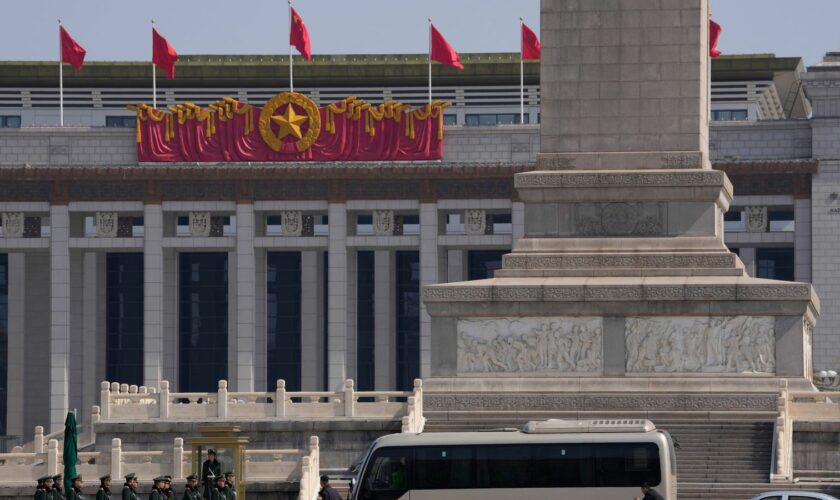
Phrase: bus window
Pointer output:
(388, 473)
(563, 465)
(443, 468)
(504, 466)
(627, 464)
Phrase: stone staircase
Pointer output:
(728, 459)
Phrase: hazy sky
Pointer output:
(119, 29)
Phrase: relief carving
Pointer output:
(291, 223)
(756, 219)
(383, 222)
(619, 219)
(530, 345)
(200, 224)
(12, 224)
(106, 224)
(475, 222)
(736, 344)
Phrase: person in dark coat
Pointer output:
(210, 470)
(57, 493)
(104, 492)
(75, 491)
(328, 492)
(129, 491)
(650, 493)
(43, 492)
(157, 489)
(191, 491)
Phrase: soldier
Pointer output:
(210, 470)
(230, 485)
(104, 492)
(218, 493)
(56, 493)
(75, 492)
(157, 489)
(167, 487)
(44, 487)
(129, 491)
(191, 491)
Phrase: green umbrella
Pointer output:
(71, 451)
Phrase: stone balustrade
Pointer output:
(23, 468)
(86, 437)
(133, 403)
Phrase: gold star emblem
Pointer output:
(290, 122)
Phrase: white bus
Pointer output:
(564, 459)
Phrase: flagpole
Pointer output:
(154, 73)
(521, 73)
(430, 60)
(291, 66)
(60, 79)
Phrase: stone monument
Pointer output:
(623, 281)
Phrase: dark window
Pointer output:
(408, 319)
(9, 122)
(4, 342)
(733, 216)
(492, 119)
(121, 121)
(203, 320)
(450, 119)
(728, 115)
(283, 328)
(124, 318)
(444, 467)
(365, 322)
(775, 263)
(483, 264)
(388, 474)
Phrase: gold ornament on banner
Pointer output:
(289, 121)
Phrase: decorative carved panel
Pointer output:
(13, 224)
(107, 224)
(530, 345)
(756, 219)
(291, 222)
(200, 224)
(619, 219)
(720, 344)
(383, 222)
(475, 222)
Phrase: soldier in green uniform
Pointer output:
(218, 493)
(157, 493)
(44, 488)
(104, 492)
(167, 488)
(129, 491)
(75, 492)
(230, 485)
(56, 493)
(191, 492)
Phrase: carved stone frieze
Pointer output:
(199, 224)
(475, 222)
(625, 179)
(13, 224)
(291, 222)
(619, 219)
(731, 344)
(756, 219)
(383, 222)
(530, 345)
(107, 224)
(720, 261)
(464, 293)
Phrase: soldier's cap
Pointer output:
(44, 478)
(77, 477)
(325, 478)
(191, 477)
(211, 451)
(228, 473)
(160, 479)
(105, 478)
(220, 478)
(130, 476)
(56, 477)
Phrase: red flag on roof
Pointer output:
(442, 52)
(71, 52)
(714, 36)
(531, 46)
(299, 36)
(163, 55)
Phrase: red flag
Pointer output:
(163, 55)
(442, 52)
(531, 46)
(71, 52)
(299, 36)
(714, 36)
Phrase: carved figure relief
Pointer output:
(730, 344)
(475, 222)
(106, 224)
(530, 345)
(291, 222)
(200, 224)
(756, 219)
(383, 222)
(619, 219)
(12, 224)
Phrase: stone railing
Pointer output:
(781, 469)
(22, 468)
(798, 405)
(133, 403)
(87, 435)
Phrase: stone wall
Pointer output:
(768, 140)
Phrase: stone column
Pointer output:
(802, 240)
(385, 316)
(17, 352)
(747, 256)
(245, 332)
(60, 315)
(337, 291)
(311, 317)
(428, 276)
(456, 265)
(517, 217)
(153, 295)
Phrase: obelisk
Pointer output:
(622, 278)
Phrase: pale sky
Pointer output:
(119, 29)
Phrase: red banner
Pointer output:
(290, 127)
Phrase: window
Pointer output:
(388, 475)
(493, 119)
(283, 328)
(444, 467)
(124, 318)
(775, 263)
(450, 119)
(781, 220)
(9, 122)
(729, 115)
(365, 321)
(483, 264)
(121, 121)
(408, 319)
(203, 320)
